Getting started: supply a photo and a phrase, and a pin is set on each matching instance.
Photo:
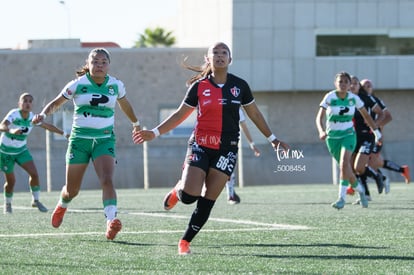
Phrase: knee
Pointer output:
(70, 193)
(9, 183)
(186, 198)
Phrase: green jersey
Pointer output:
(15, 144)
(340, 112)
(94, 105)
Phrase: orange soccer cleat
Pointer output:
(112, 228)
(57, 216)
(170, 199)
(184, 247)
(406, 173)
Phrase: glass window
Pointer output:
(363, 45)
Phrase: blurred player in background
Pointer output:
(376, 159)
(232, 196)
(335, 126)
(365, 139)
(16, 127)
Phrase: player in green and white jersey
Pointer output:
(94, 94)
(16, 127)
(335, 126)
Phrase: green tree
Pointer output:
(157, 37)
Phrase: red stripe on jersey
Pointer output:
(210, 115)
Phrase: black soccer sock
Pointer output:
(381, 174)
(198, 218)
(390, 165)
(370, 172)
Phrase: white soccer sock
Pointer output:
(110, 212)
(230, 186)
(342, 191)
(360, 188)
(36, 195)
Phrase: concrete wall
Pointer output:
(154, 79)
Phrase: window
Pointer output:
(363, 45)
(184, 129)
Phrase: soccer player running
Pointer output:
(376, 160)
(94, 94)
(232, 196)
(335, 126)
(15, 128)
(212, 151)
(365, 139)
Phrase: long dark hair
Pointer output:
(204, 69)
(85, 69)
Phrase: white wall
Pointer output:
(274, 41)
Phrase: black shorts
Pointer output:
(377, 148)
(365, 143)
(206, 158)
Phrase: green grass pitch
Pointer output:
(281, 229)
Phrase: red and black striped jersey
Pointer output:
(218, 116)
(369, 103)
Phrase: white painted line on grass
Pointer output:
(62, 234)
(259, 226)
(270, 225)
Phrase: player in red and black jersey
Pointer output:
(365, 139)
(376, 160)
(212, 152)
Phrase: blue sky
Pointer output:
(119, 21)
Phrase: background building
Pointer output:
(288, 51)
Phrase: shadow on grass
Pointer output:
(310, 245)
(333, 257)
(130, 243)
(324, 257)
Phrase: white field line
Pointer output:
(272, 226)
(258, 226)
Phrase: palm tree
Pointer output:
(157, 37)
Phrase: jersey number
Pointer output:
(223, 164)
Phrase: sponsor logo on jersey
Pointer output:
(222, 101)
(111, 90)
(205, 102)
(206, 92)
(194, 158)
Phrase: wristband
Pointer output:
(271, 138)
(135, 124)
(156, 132)
(252, 145)
(377, 135)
